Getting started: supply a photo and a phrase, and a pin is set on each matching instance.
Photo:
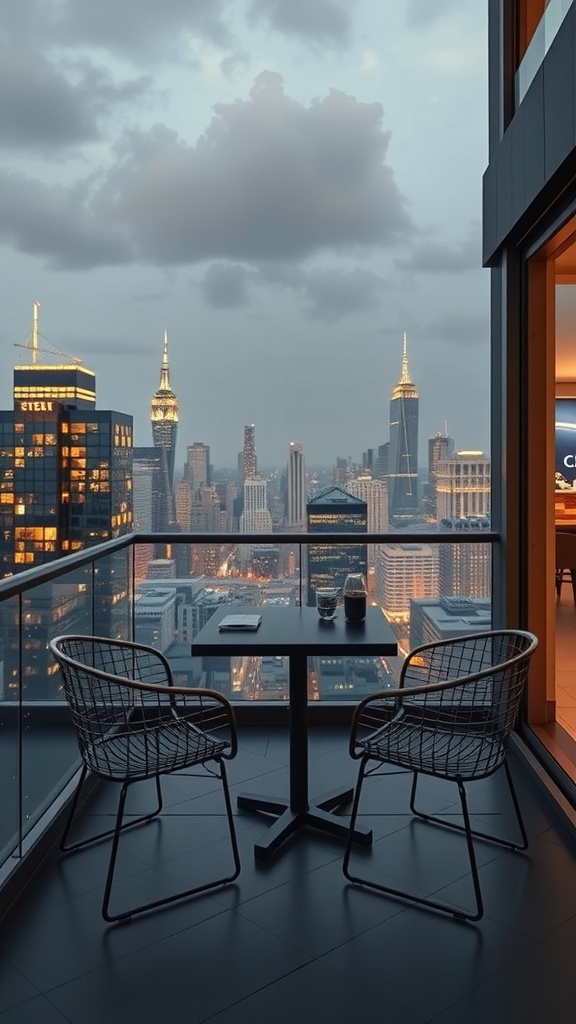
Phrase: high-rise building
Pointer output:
(65, 484)
(65, 467)
(255, 518)
(465, 570)
(440, 448)
(403, 454)
(249, 459)
(152, 506)
(164, 419)
(295, 488)
(335, 510)
(198, 465)
(463, 486)
(403, 572)
(375, 494)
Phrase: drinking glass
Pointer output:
(326, 602)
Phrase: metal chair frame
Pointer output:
(450, 717)
(132, 724)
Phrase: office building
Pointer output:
(465, 570)
(255, 518)
(65, 468)
(463, 485)
(296, 488)
(440, 618)
(375, 493)
(249, 458)
(198, 465)
(440, 448)
(404, 572)
(403, 453)
(164, 420)
(335, 510)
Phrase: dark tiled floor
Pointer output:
(291, 939)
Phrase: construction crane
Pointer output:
(32, 344)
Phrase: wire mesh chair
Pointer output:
(132, 724)
(450, 717)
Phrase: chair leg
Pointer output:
(73, 847)
(499, 840)
(460, 915)
(165, 901)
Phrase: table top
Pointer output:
(290, 630)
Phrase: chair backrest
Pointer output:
(489, 672)
(94, 673)
(565, 550)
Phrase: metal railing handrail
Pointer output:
(12, 586)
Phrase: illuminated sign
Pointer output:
(39, 405)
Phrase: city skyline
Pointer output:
(277, 185)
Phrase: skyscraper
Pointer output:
(164, 417)
(403, 455)
(440, 448)
(296, 488)
(255, 518)
(334, 510)
(198, 465)
(249, 460)
(65, 468)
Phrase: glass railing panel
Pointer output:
(425, 591)
(539, 45)
(10, 750)
(113, 595)
(50, 753)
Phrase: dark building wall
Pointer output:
(534, 160)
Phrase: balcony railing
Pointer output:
(162, 588)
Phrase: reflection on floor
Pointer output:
(290, 940)
(566, 661)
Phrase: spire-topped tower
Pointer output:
(164, 414)
(405, 387)
(403, 457)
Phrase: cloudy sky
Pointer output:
(286, 186)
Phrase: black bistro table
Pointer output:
(298, 633)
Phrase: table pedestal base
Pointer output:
(317, 816)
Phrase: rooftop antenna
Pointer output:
(35, 308)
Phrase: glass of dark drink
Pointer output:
(355, 597)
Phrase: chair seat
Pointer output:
(141, 751)
(407, 742)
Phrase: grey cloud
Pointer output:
(43, 110)
(422, 13)
(56, 223)
(333, 294)
(326, 295)
(224, 285)
(462, 327)
(434, 258)
(271, 179)
(139, 29)
(319, 21)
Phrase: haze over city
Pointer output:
(257, 179)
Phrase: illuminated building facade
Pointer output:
(65, 480)
(65, 484)
(255, 518)
(440, 448)
(404, 572)
(335, 510)
(403, 452)
(164, 418)
(463, 486)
